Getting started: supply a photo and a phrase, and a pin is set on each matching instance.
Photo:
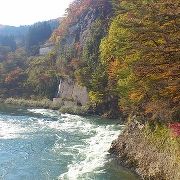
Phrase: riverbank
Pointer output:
(85, 110)
(43, 103)
(154, 153)
(45, 144)
(47, 104)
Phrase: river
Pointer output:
(40, 144)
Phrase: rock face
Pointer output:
(71, 94)
(137, 153)
(45, 49)
(79, 31)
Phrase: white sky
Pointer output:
(24, 12)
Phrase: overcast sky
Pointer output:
(24, 12)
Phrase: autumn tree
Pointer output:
(143, 37)
(42, 77)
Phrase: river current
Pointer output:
(40, 144)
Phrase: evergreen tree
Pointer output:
(37, 35)
(8, 41)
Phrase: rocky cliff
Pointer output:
(79, 26)
(152, 158)
(78, 40)
(71, 94)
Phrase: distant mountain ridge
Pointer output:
(7, 30)
(17, 32)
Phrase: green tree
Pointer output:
(143, 39)
(37, 35)
(8, 41)
(42, 76)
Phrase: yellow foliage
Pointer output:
(95, 97)
(136, 96)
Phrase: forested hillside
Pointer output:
(125, 52)
(17, 32)
(16, 52)
(20, 31)
(141, 53)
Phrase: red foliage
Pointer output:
(73, 13)
(175, 129)
(13, 76)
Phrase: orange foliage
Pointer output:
(113, 69)
(76, 9)
(136, 95)
(75, 63)
(13, 76)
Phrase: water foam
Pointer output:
(93, 154)
(13, 127)
(88, 156)
(46, 112)
(11, 130)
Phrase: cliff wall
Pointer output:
(71, 93)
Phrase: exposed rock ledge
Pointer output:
(71, 94)
(137, 153)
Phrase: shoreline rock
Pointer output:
(134, 151)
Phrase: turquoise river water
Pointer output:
(39, 144)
